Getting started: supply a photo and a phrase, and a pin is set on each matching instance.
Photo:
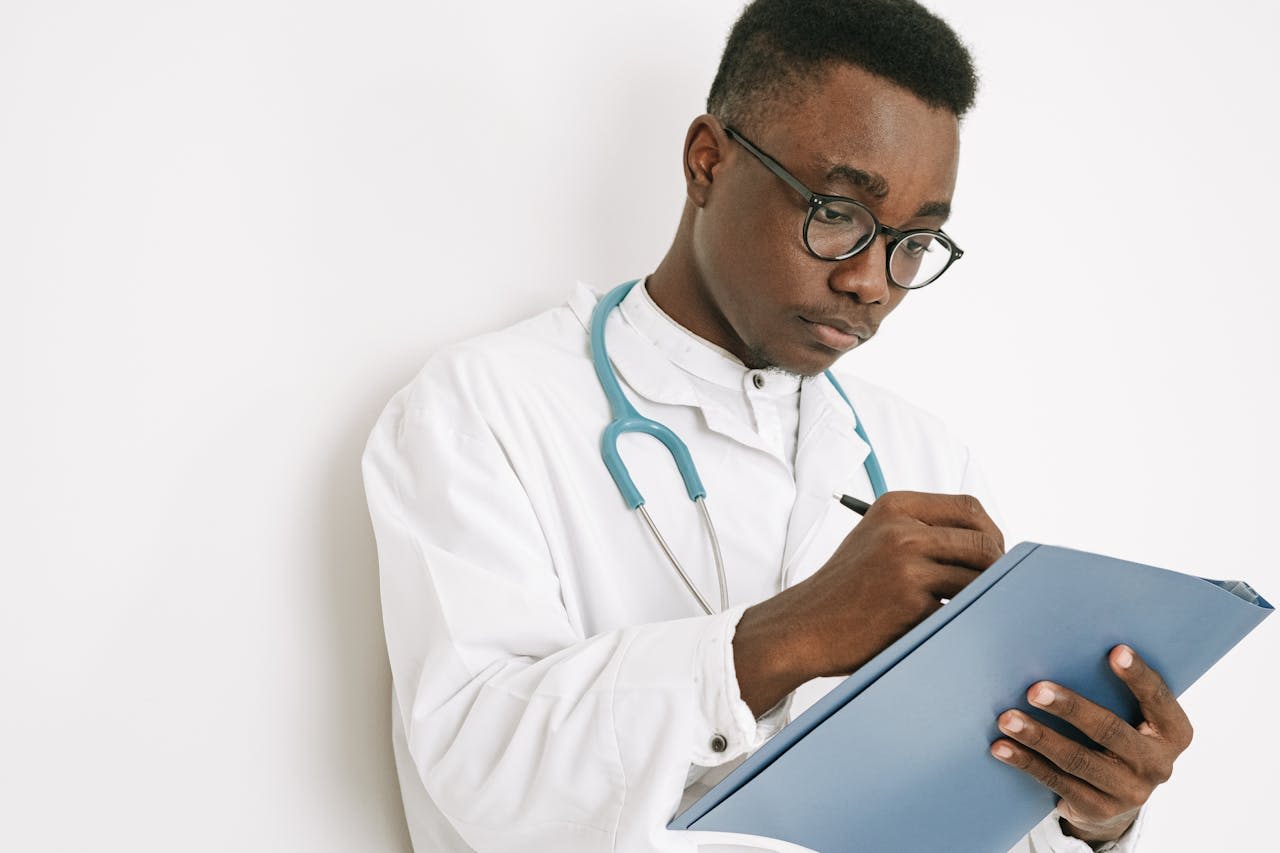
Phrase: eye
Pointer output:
(917, 245)
(832, 214)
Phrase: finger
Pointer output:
(1099, 770)
(973, 549)
(944, 581)
(1160, 708)
(1101, 725)
(937, 510)
(1082, 797)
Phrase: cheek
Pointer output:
(779, 236)
(774, 258)
(750, 252)
(755, 224)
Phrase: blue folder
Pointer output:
(896, 757)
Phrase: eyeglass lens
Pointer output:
(838, 229)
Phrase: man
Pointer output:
(557, 687)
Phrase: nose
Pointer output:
(865, 276)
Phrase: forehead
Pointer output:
(845, 115)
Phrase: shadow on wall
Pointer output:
(633, 172)
(618, 226)
(357, 658)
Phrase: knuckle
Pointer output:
(1052, 779)
(1133, 796)
(1076, 761)
(891, 502)
(1154, 690)
(970, 506)
(903, 537)
(980, 542)
(1154, 770)
(1110, 731)
(997, 537)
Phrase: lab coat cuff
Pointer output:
(726, 727)
(1048, 835)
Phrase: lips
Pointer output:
(836, 333)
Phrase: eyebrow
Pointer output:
(934, 208)
(870, 182)
(875, 185)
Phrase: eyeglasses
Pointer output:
(837, 228)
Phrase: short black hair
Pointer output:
(778, 43)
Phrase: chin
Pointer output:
(807, 363)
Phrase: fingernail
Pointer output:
(1043, 696)
(1014, 725)
(1002, 750)
(1124, 659)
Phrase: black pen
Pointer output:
(860, 507)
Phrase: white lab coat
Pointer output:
(555, 686)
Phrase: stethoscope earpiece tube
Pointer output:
(627, 419)
(871, 464)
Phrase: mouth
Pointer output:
(837, 334)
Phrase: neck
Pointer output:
(679, 289)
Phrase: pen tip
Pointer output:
(836, 495)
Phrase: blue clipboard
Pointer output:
(895, 758)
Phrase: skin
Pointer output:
(738, 275)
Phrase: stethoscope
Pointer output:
(627, 419)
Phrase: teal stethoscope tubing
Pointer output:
(627, 419)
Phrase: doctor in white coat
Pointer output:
(557, 687)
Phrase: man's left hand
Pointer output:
(1101, 790)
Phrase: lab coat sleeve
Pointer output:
(526, 734)
(1047, 837)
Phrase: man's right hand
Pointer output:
(910, 551)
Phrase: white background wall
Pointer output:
(229, 231)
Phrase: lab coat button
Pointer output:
(719, 744)
(758, 379)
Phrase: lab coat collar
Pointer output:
(692, 353)
(829, 459)
(650, 370)
(645, 368)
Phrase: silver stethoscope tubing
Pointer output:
(627, 419)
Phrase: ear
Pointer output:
(705, 146)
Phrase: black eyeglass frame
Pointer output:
(817, 200)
